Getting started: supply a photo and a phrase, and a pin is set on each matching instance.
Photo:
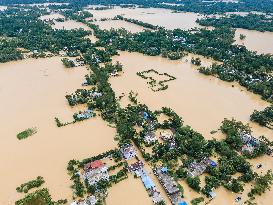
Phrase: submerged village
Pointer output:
(115, 102)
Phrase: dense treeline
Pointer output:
(24, 29)
(264, 117)
(251, 21)
(137, 22)
(30, 184)
(198, 6)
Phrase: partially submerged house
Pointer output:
(95, 171)
(197, 168)
(90, 200)
(84, 115)
(166, 136)
(169, 184)
(150, 138)
(138, 169)
(128, 151)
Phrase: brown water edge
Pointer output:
(255, 40)
(155, 16)
(202, 101)
(116, 24)
(68, 24)
(32, 94)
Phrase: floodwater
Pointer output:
(129, 191)
(255, 40)
(116, 24)
(68, 24)
(155, 16)
(32, 94)
(202, 101)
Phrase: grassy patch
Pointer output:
(26, 133)
(156, 85)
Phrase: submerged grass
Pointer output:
(26, 133)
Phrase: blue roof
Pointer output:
(145, 115)
(182, 203)
(213, 163)
(148, 183)
(164, 169)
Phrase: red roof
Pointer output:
(96, 164)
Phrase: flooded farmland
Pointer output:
(192, 95)
(161, 17)
(255, 40)
(116, 24)
(35, 100)
(32, 94)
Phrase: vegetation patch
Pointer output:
(31, 184)
(39, 197)
(26, 133)
(154, 84)
(264, 117)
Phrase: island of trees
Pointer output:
(257, 22)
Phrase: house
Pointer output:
(114, 73)
(135, 167)
(95, 171)
(91, 200)
(85, 115)
(169, 184)
(128, 151)
(166, 136)
(212, 194)
(198, 168)
(182, 203)
(150, 138)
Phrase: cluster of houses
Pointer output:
(170, 185)
(114, 73)
(82, 93)
(84, 115)
(168, 137)
(129, 152)
(95, 171)
(90, 200)
(150, 138)
(197, 168)
(250, 143)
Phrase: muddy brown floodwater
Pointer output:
(116, 24)
(202, 101)
(255, 40)
(32, 95)
(155, 16)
